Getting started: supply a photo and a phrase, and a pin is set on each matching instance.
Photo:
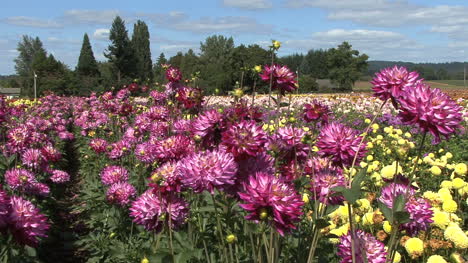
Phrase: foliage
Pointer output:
(345, 65)
(141, 45)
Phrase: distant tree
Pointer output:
(293, 61)
(141, 45)
(247, 57)
(120, 52)
(217, 61)
(176, 60)
(345, 66)
(158, 69)
(87, 65)
(190, 63)
(28, 48)
(315, 64)
(52, 76)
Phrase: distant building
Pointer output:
(10, 92)
(325, 84)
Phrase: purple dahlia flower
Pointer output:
(26, 222)
(152, 210)
(367, 248)
(208, 171)
(282, 78)
(390, 83)
(268, 198)
(244, 139)
(341, 144)
(120, 193)
(113, 174)
(432, 110)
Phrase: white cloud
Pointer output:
(30, 22)
(375, 43)
(101, 34)
(223, 24)
(93, 17)
(249, 4)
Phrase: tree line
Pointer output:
(218, 68)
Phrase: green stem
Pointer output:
(220, 231)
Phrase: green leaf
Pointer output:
(386, 211)
(358, 179)
(402, 217)
(399, 203)
(284, 104)
(352, 195)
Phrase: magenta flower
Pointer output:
(119, 149)
(323, 181)
(4, 209)
(287, 142)
(98, 145)
(208, 171)
(316, 112)
(190, 98)
(113, 174)
(341, 143)
(19, 179)
(390, 83)
(166, 178)
(50, 154)
(419, 209)
(173, 74)
(32, 158)
(207, 126)
(120, 193)
(152, 210)
(244, 139)
(26, 222)
(367, 248)
(268, 198)
(174, 148)
(431, 110)
(282, 78)
(59, 177)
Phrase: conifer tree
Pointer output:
(87, 65)
(120, 51)
(141, 46)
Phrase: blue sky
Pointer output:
(406, 30)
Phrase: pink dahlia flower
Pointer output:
(432, 110)
(367, 248)
(50, 153)
(390, 83)
(341, 143)
(59, 177)
(283, 79)
(287, 141)
(207, 126)
(166, 178)
(98, 145)
(152, 210)
(419, 209)
(244, 139)
(32, 158)
(173, 74)
(174, 148)
(19, 179)
(113, 174)
(268, 198)
(190, 98)
(323, 181)
(121, 193)
(316, 112)
(208, 171)
(26, 222)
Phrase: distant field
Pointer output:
(441, 84)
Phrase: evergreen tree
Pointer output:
(87, 65)
(141, 45)
(158, 69)
(120, 52)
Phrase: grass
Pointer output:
(364, 86)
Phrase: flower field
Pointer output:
(165, 174)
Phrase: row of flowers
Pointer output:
(212, 182)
